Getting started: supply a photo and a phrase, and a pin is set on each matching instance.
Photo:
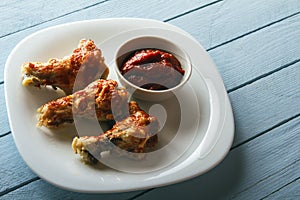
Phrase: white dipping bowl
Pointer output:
(151, 42)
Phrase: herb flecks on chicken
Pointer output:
(101, 99)
(71, 73)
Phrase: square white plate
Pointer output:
(195, 143)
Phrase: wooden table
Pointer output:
(256, 47)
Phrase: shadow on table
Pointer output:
(222, 182)
(219, 183)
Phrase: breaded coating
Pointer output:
(71, 73)
(102, 98)
(134, 134)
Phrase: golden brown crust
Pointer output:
(71, 73)
(101, 98)
(133, 134)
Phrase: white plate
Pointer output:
(197, 136)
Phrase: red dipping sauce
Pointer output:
(152, 69)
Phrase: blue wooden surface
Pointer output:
(256, 46)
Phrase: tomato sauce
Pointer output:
(152, 69)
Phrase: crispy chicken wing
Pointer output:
(133, 134)
(84, 65)
(101, 98)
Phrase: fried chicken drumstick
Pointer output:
(133, 134)
(101, 99)
(84, 65)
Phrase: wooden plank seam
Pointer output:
(192, 10)
(4, 134)
(296, 179)
(253, 31)
(8, 190)
(266, 131)
(52, 19)
(263, 76)
(251, 186)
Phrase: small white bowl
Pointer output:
(151, 42)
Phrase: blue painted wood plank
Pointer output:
(289, 192)
(19, 15)
(268, 185)
(4, 125)
(42, 190)
(231, 19)
(251, 171)
(266, 102)
(259, 53)
(13, 171)
(160, 10)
